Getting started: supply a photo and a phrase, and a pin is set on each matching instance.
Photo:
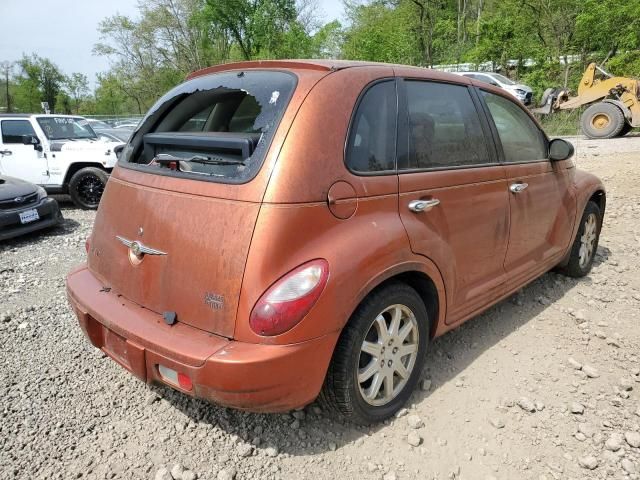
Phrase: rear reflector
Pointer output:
(175, 378)
(184, 381)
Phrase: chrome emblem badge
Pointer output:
(18, 199)
(137, 250)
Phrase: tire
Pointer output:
(549, 92)
(86, 187)
(602, 120)
(578, 266)
(358, 401)
(625, 129)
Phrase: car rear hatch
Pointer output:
(175, 223)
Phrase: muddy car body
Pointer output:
(284, 226)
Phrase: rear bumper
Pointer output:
(255, 377)
(10, 225)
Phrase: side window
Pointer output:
(372, 139)
(13, 130)
(444, 127)
(522, 140)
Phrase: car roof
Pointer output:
(29, 115)
(318, 65)
(477, 73)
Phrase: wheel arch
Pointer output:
(76, 167)
(599, 197)
(425, 279)
(589, 188)
(625, 110)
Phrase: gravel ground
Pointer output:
(542, 386)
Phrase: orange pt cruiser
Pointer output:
(280, 231)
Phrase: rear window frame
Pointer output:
(352, 126)
(144, 168)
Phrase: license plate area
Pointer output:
(116, 347)
(29, 216)
(128, 354)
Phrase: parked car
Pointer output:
(327, 222)
(524, 93)
(116, 135)
(98, 124)
(128, 124)
(25, 208)
(59, 152)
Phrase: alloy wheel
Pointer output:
(388, 355)
(588, 240)
(90, 189)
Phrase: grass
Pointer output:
(562, 123)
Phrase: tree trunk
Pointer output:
(610, 54)
(6, 80)
(480, 2)
(567, 67)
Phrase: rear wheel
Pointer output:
(584, 247)
(86, 187)
(602, 120)
(379, 356)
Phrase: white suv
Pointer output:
(524, 93)
(62, 153)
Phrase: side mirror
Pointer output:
(32, 140)
(560, 149)
(118, 150)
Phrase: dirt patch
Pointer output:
(542, 386)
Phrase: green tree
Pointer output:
(77, 85)
(39, 80)
(259, 28)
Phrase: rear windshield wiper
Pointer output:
(165, 158)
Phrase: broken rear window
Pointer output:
(216, 127)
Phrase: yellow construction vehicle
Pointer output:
(614, 103)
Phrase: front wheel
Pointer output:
(379, 356)
(86, 187)
(584, 247)
(602, 120)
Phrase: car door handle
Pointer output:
(5, 152)
(518, 187)
(418, 206)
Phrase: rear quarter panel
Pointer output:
(295, 224)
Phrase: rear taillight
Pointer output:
(180, 379)
(289, 299)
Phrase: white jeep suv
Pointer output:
(61, 153)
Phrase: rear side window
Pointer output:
(444, 127)
(216, 127)
(13, 130)
(371, 146)
(522, 140)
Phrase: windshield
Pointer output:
(66, 128)
(215, 127)
(503, 79)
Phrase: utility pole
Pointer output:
(6, 67)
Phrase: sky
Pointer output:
(65, 31)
